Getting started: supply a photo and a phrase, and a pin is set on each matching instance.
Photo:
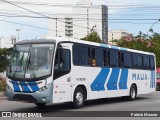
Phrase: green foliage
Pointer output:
(143, 43)
(4, 53)
(93, 37)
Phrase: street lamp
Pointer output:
(18, 34)
(152, 26)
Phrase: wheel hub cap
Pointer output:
(79, 98)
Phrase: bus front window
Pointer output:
(31, 61)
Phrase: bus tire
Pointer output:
(40, 105)
(79, 98)
(132, 93)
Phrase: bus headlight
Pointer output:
(43, 88)
(9, 88)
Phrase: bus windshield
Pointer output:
(31, 61)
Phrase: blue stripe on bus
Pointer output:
(33, 86)
(98, 83)
(25, 87)
(115, 47)
(104, 45)
(124, 49)
(112, 82)
(16, 86)
(123, 79)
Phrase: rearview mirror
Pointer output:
(61, 53)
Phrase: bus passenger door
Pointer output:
(62, 78)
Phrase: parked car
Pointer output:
(158, 79)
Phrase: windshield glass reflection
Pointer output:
(31, 61)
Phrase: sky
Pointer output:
(131, 15)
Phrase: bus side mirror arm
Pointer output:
(61, 54)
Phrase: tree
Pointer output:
(93, 37)
(4, 54)
(142, 43)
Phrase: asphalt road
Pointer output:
(97, 108)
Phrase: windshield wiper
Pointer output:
(28, 62)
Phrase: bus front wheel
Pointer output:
(78, 100)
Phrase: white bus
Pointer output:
(56, 70)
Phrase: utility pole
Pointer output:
(112, 38)
(17, 34)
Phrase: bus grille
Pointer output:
(27, 98)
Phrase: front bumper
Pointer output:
(36, 97)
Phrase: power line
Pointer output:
(78, 19)
(50, 13)
(41, 27)
(34, 26)
(135, 19)
(39, 13)
(26, 25)
(57, 5)
(86, 5)
(130, 23)
(81, 15)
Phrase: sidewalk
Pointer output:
(2, 96)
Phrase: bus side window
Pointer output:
(140, 61)
(120, 64)
(146, 62)
(127, 60)
(135, 61)
(114, 58)
(108, 58)
(122, 60)
(93, 59)
(152, 63)
(97, 57)
(81, 55)
(66, 63)
(62, 67)
(105, 58)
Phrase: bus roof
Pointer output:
(65, 39)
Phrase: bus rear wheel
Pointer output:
(40, 105)
(78, 100)
(133, 93)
